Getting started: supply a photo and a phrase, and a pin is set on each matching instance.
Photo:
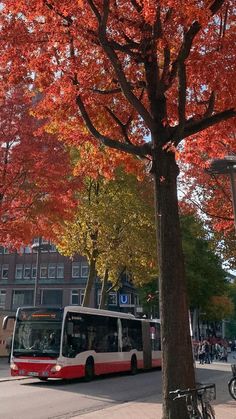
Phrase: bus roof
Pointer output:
(88, 310)
(99, 312)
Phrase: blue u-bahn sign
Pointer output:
(124, 299)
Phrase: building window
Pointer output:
(2, 298)
(84, 270)
(5, 270)
(27, 271)
(45, 246)
(112, 299)
(136, 300)
(27, 249)
(75, 297)
(75, 270)
(36, 243)
(6, 251)
(60, 270)
(34, 271)
(43, 271)
(52, 270)
(19, 272)
(52, 297)
(22, 298)
(53, 248)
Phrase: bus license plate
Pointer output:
(33, 374)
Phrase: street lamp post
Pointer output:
(38, 247)
(227, 165)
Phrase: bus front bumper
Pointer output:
(40, 370)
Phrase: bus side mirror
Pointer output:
(5, 321)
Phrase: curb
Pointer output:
(2, 380)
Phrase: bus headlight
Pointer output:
(13, 366)
(56, 368)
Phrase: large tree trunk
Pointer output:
(177, 365)
(90, 283)
(104, 296)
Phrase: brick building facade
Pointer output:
(57, 280)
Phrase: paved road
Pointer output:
(29, 398)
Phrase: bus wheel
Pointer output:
(133, 367)
(89, 369)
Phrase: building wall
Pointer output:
(12, 286)
(51, 288)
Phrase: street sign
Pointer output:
(124, 299)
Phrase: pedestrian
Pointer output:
(207, 352)
(201, 353)
(224, 354)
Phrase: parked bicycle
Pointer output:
(198, 401)
(232, 382)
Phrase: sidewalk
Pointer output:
(5, 374)
(145, 409)
(150, 407)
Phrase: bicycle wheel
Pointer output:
(232, 387)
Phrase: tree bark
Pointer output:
(90, 283)
(177, 359)
(104, 296)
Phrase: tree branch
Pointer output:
(185, 48)
(122, 126)
(139, 85)
(126, 89)
(188, 40)
(94, 9)
(211, 104)
(107, 92)
(216, 5)
(136, 6)
(194, 127)
(68, 19)
(142, 150)
(222, 217)
(182, 87)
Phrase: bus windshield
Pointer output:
(37, 334)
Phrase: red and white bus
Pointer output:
(75, 342)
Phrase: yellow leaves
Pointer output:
(117, 219)
(52, 128)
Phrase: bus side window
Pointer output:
(126, 341)
(101, 334)
(112, 335)
(69, 349)
(155, 336)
